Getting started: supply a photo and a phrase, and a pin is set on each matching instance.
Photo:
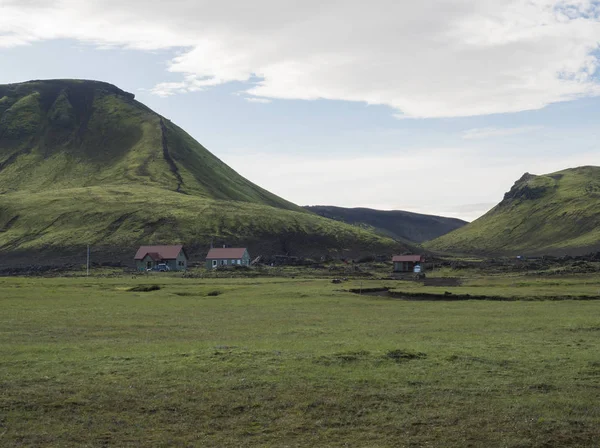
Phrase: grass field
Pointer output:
(510, 287)
(291, 362)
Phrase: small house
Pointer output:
(407, 263)
(149, 257)
(227, 256)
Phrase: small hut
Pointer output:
(407, 263)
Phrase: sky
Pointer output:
(434, 107)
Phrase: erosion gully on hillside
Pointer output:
(168, 158)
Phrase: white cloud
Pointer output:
(254, 99)
(481, 133)
(190, 84)
(426, 59)
(457, 182)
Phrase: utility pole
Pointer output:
(88, 261)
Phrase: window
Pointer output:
(214, 263)
(239, 262)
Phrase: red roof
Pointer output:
(159, 252)
(410, 258)
(226, 253)
(155, 256)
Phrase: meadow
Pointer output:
(285, 362)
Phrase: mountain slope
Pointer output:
(69, 133)
(397, 224)
(115, 219)
(82, 162)
(554, 213)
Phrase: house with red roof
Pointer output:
(227, 256)
(407, 263)
(149, 257)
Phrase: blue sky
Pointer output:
(425, 133)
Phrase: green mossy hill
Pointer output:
(68, 133)
(397, 224)
(556, 213)
(82, 162)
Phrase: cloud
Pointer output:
(253, 99)
(191, 83)
(425, 59)
(481, 133)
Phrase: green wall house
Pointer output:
(227, 256)
(149, 257)
(407, 263)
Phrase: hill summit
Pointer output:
(65, 134)
(83, 162)
(557, 213)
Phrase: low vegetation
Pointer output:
(119, 218)
(505, 287)
(294, 362)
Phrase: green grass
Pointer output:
(506, 286)
(289, 362)
(558, 212)
(119, 218)
(22, 118)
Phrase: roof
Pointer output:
(154, 255)
(413, 258)
(226, 253)
(159, 252)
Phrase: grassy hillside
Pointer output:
(117, 219)
(84, 162)
(397, 224)
(69, 133)
(553, 213)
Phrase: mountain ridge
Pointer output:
(398, 224)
